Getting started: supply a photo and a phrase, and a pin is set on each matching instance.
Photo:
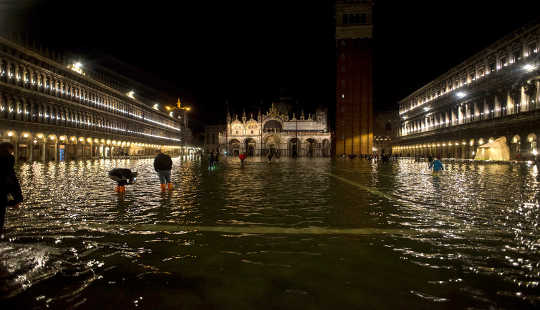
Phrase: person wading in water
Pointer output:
(163, 166)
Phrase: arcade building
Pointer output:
(54, 109)
(491, 100)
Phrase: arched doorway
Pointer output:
(272, 126)
(250, 146)
(515, 147)
(271, 144)
(234, 147)
(326, 148)
(311, 144)
(293, 147)
(531, 138)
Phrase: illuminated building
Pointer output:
(493, 94)
(281, 133)
(354, 82)
(56, 111)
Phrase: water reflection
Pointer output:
(302, 233)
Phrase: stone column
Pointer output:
(537, 99)
(30, 151)
(524, 100)
(43, 154)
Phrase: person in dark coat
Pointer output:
(163, 166)
(10, 190)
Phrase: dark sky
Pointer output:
(245, 51)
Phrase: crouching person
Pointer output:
(163, 166)
(123, 177)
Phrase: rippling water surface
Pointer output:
(304, 234)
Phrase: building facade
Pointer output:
(274, 131)
(211, 137)
(493, 94)
(354, 83)
(56, 111)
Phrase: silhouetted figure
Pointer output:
(123, 177)
(10, 190)
(163, 166)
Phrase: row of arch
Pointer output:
(520, 49)
(506, 102)
(522, 147)
(58, 145)
(51, 113)
(308, 147)
(31, 76)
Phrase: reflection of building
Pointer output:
(54, 111)
(289, 136)
(495, 93)
(211, 137)
(354, 84)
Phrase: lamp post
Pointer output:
(185, 109)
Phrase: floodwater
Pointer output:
(293, 234)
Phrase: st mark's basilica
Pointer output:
(278, 132)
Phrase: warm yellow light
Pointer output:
(96, 140)
(52, 137)
(10, 134)
(73, 138)
(131, 94)
(77, 67)
(81, 139)
(40, 135)
(62, 138)
(89, 140)
(25, 135)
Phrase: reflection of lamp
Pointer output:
(534, 152)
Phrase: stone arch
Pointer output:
(293, 147)
(273, 125)
(250, 146)
(311, 147)
(325, 147)
(532, 143)
(234, 147)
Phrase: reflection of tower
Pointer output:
(354, 83)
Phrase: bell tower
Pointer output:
(354, 77)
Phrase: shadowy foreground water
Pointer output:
(293, 234)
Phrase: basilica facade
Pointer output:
(303, 136)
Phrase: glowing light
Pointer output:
(25, 135)
(461, 94)
(131, 94)
(534, 152)
(10, 134)
(156, 106)
(529, 67)
(77, 67)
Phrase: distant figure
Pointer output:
(123, 177)
(163, 166)
(242, 157)
(212, 160)
(430, 159)
(436, 165)
(10, 190)
(270, 155)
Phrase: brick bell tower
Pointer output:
(354, 78)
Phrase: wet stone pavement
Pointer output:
(293, 234)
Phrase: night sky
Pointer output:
(210, 51)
